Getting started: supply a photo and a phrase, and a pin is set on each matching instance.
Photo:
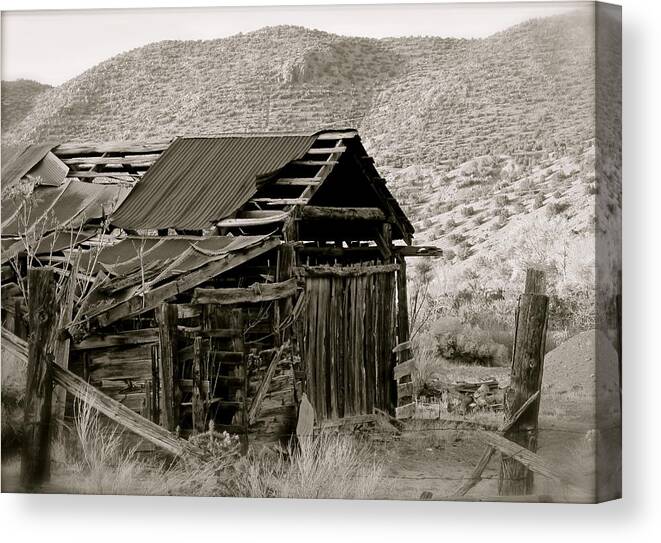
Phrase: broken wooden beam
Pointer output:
(348, 271)
(254, 294)
(525, 457)
(256, 404)
(73, 149)
(373, 214)
(121, 414)
(326, 150)
(476, 475)
(130, 337)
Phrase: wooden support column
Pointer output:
(403, 334)
(43, 310)
(285, 271)
(402, 306)
(526, 380)
(167, 340)
(199, 410)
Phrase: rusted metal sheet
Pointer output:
(47, 245)
(55, 208)
(199, 181)
(23, 162)
(49, 171)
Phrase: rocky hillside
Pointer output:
(482, 140)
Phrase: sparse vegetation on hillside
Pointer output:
(18, 98)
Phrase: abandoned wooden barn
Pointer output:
(217, 278)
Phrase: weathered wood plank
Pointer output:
(524, 456)
(403, 369)
(167, 341)
(198, 399)
(337, 136)
(349, 271)
(131, 337)
(476, 475)
(146, 159)
(254, 294)
(69, 149)
(326, 150)
(373, 214)
(256, 404)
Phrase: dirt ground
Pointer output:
(435, 455)
(571, 437)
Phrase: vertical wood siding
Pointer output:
(347, 342)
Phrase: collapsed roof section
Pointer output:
(138, 273)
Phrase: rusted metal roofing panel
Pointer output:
(17, 218)
(55, 208)
(49, 171)
(23, 162)
(48, 245)
(198, 181)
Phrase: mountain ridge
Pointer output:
(479, 139)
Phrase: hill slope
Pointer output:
(483, 141)
(18, 98)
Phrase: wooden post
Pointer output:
(199, 422)
(167, 336)
(526, 380)
(403, 334)
(155, 386)
(35, 461)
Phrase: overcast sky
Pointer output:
(54, 46)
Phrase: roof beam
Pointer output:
(337, 135)
(325, 150)
(314, 162)
(343, 213)
(133, 159)
(73, 149)
(298, 181)
(91, 174)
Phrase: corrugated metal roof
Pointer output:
(50, 170)
(23, 162)
(198, 181)
(69, 205)
(48, 245)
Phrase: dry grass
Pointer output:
(14, 372)
(100, 462)
(326, 466)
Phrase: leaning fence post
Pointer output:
(526, 379)
(42, 307)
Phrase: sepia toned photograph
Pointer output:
(362, 252)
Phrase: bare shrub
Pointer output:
(539, 201)
(467, 211)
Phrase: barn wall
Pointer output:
(347, 338)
